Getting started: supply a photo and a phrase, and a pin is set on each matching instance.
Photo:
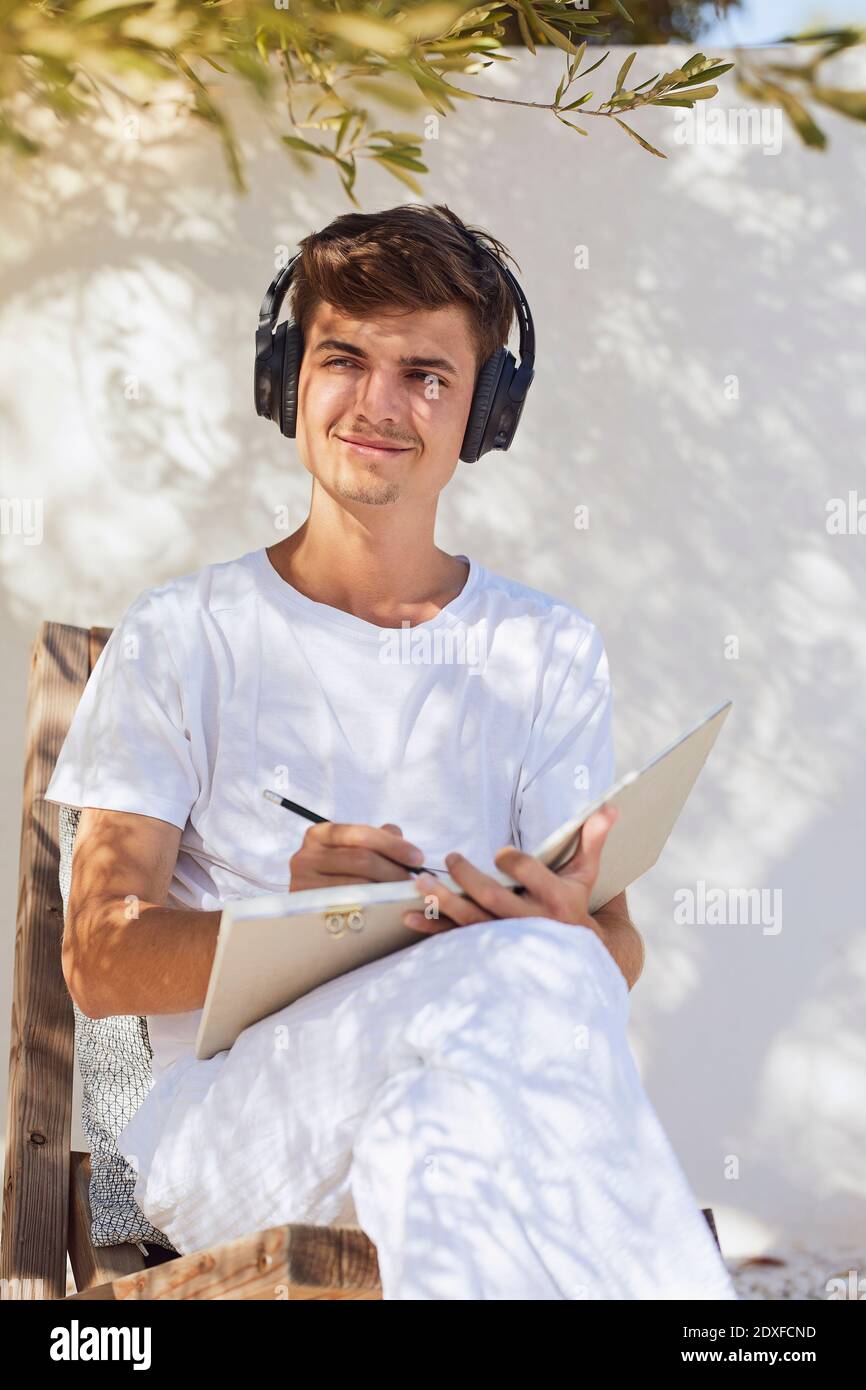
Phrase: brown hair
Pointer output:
(407, 257)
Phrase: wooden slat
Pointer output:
(93, 1264)
(98, 638)
(36, 1176)
(285, 1262)
(281, 1263)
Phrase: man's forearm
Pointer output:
(132, 957)
(622, 938)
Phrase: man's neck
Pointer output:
(382, 578)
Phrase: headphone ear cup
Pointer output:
(268, 379)
(482, 402)
(293, 349)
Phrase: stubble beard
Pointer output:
(374, 495)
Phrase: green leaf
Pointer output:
(806, 127)
(472, 44)
(641, 141)
(404, 177)
(576, 61)
(405, 102)
(190, 73)
(349, 181)
(845, 37)
(618, 5)
(427, 21)
(56, 71)
(396, 137)
(697, 60)
(849, 103)
(570, 124)
(249, 65)
(623, 72)
(140, 62)
(707, 75)
(365, 32)
(341, 130)
(555, 36)
(699, 93)
(390, 155)
(524, 31)
(580, 100)
(348, 190)
(295, 142)
(595, 65)
(231, 153)
(16, 139)
(63, 103)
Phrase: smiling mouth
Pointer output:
(374, 450)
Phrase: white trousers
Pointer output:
(471, 1102)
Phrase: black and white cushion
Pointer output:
(114, 1059)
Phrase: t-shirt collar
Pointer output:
(286, 593)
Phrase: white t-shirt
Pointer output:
(488, 725)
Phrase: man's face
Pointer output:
(404, 380)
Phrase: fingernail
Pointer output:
(451, 858)
(416, 856)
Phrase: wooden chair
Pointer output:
(46, 1207)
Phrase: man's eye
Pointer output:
(425, 376)
(428, 375)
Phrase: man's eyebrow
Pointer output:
(440, 363)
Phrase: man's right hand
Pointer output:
(333, 853)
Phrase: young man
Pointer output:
(470, 1101)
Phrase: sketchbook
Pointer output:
(274, 948)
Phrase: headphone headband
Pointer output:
(272, 303)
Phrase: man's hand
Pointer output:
(332, 853)
(563, 896)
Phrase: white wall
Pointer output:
(707, 520)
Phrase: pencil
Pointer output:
(299, 810)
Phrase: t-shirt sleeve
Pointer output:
(570, 759)
(128, 746)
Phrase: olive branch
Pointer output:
(328, 59)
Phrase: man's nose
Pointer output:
(381, 396)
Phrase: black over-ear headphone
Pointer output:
(501, 387)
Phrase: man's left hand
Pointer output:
(562, 896)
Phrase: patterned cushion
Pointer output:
(114, 1057)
